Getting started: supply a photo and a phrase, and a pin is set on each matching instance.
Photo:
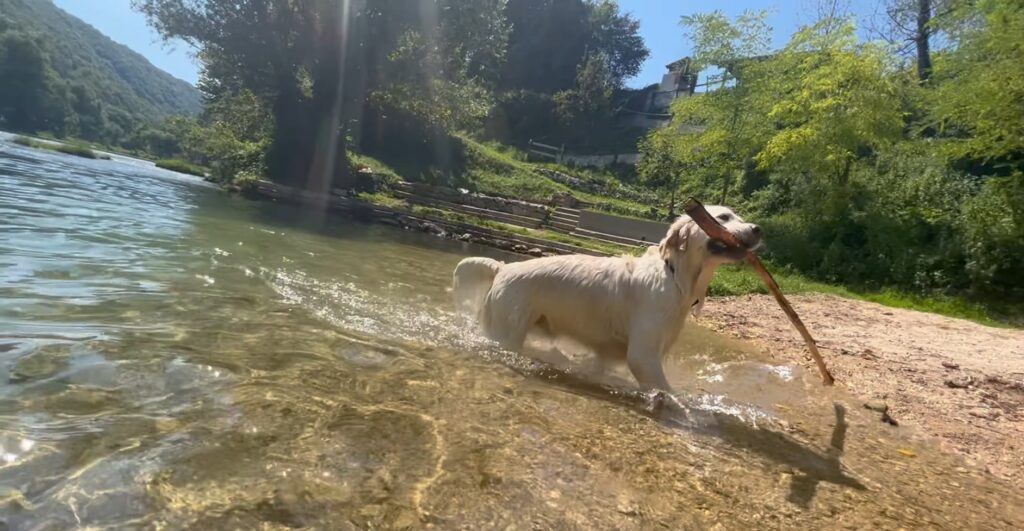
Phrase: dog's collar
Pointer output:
(672, 269)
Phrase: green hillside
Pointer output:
(67, 78)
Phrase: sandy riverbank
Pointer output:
(957, 381)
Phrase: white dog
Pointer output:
(630, 308)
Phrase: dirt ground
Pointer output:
(960, 382)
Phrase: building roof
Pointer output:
(680, 65)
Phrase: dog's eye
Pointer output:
(724, 217)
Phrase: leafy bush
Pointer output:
(907, 219)
(992, 224)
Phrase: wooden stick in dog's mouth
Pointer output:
(710, 225)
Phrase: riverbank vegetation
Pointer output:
(888, 163)
(181, 166)
(77, 150)
(867, 169)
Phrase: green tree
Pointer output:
(547, 42)
(617, 36)
(835, 99)
(981, 84)
(290, 54)
(978, 107)
(322, 67)
(734, 128)
(587, 104)
(550, 39)
(72, 80)
(89, 112)
(719, 42)
(27, 96)
(659, 169)
(442, 73)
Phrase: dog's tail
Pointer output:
(471, 282)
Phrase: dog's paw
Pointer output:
(657, 400)
(663, 402)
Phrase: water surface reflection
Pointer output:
(171, 356)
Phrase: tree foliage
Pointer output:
(859, 172)
(329, 69)
(29, 90)
(63, 77)
(836, 99)
(589, 101)
(551, 38)
(550, 44)
(979, 100)
(733, 120)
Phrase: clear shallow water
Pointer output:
(171, 357)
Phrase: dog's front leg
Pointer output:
(644, 359)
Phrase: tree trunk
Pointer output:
(844, 175)
(672, 201)
(921, 38)
(308, 149)
(288, 158)
(726, 181)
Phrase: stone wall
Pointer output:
(500, 204)
(599, 161)
(637, 229)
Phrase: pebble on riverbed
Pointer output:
(883, 408)
(985, 413)
(960, 382)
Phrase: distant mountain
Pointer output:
(91, 67)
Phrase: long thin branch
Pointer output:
(707, 222)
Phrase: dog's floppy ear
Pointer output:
(676, 237)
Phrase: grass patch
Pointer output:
(75, 149)
(499, 170)
(740, 280)
(503, 170)
(468, 219)
(604, 247)
(378, 167)
(383, 200)
(181, 166)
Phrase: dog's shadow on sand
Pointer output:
(810, 465)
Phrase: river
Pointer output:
(172, 356)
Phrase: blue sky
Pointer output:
(659, 25)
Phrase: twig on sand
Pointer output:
(707, 222)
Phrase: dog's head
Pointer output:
(685, 238)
